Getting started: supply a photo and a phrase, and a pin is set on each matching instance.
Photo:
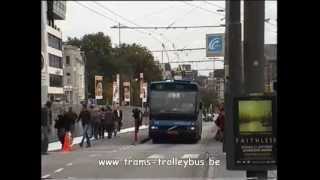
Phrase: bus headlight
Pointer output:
(192, 128)
(154, 127)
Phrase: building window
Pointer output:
(69, 81)
(55, 61)
(54, 42)
(68, 74)
(55, 80)
(68, 60)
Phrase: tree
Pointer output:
(97, 49)
(129, 60)
(208, 96)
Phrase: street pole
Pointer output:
(233, 72)
(162, 57)
(119, 36)
(254, 12)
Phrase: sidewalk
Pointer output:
(54, 146)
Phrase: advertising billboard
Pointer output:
(255, 134)
(98, 87)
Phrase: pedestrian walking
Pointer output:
(85, 118)
(220, 123)
(109, 122)
(70, 118)
(46, 122)
(96, 122)
(102, 123)
(137, 122)
(118, 120)
(60, 126)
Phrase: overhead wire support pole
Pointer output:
(119, 36)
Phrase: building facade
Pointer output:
(51, 51)
(184, 72)
(166, 71)
(74, 74)
(270, 68)
(216, 82)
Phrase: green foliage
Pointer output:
(129, 60)
(208, 96)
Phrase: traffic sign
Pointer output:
(215, 45)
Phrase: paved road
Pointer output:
(83, 163)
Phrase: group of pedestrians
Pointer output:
(106, 120)
(95, 122)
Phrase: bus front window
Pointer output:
(173, 102)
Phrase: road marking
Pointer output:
(69, 164)
(58, 170)
(156, 156)
(191, 156)
(45, 176)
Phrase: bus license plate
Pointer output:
(173, 132)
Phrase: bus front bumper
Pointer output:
(188, 133)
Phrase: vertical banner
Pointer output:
(116, 90)
(115, 97)
(126, 90)
(141, 85)
(145, 92)
(98, 87)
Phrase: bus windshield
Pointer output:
(167, 102)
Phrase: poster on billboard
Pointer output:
(115, 97)
(126, 87)
(255, 140)
(144, 92)
(98, 87)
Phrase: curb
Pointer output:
(144, 140)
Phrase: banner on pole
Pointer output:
(115, 98)
(126, 87)
(145, 92)
(98, 87)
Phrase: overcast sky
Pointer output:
(80, 21)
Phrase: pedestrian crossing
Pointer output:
(183, 156)
(156, 156)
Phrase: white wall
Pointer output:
(54, 32)
(55, 90)
(54, 51)
(57, 71)
(44, 45)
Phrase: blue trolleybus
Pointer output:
(175, 110)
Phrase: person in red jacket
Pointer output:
(220, 124)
